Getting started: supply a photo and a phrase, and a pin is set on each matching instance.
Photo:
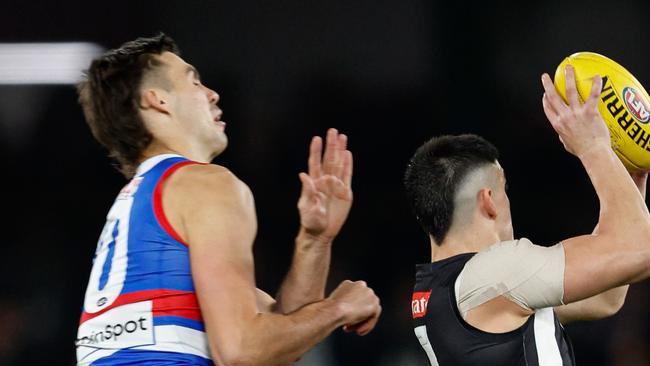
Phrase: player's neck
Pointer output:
(470, 239)
(158, 148)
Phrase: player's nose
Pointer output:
(213, 96)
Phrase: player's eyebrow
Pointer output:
(192, 70)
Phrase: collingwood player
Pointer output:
(172, 281)
(489, 299)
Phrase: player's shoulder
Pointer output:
(513, 244)
(515, 250)
(206, 180)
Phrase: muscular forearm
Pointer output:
(622, 208)
(273, 340)
(306, 279)
(609, 302)
(602, 305)
(619, 253)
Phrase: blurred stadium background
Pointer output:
(388, 73)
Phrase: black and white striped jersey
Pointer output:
(450, 341)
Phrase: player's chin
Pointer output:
(221, 147)
(219, 144)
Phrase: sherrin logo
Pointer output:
(635, 104)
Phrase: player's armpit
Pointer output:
(498, 315)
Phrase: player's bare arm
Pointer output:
(619, 252)
(214, 212)
(609, 302)
(324, 204)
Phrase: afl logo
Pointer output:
(636, 105)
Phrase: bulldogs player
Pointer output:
(173, 281)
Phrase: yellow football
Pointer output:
(623, 104)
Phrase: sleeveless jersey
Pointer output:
(450, 341)
(140, 306)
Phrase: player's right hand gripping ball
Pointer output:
(624, 104)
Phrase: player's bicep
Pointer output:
(220, 228)
(593, 266)
(226, 293)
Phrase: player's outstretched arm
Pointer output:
(324, 204)
(217, 219)
(620, 252)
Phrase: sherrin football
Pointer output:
(624, 104)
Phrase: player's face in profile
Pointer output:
(194, 105)
(504, 218)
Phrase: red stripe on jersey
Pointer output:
(165, 302)
(183, 305)
(157, 201)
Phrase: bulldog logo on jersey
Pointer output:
(130, 189)
(419, 304)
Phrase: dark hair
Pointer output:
(110, 95)
(434, 174)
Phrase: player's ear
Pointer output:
(485, 203)
(154, 98)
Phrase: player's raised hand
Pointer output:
(579, 126)
(326, 195)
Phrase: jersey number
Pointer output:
(111, 260)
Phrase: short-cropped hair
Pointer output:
(434, 174)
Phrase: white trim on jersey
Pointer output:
(548, 352)
(457, 294)
(421, 333)
(168, 338)
(152, 162)
(174, 338)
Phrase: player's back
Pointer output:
(449, 340)
(140, 305)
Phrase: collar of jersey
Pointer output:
(146, 165)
